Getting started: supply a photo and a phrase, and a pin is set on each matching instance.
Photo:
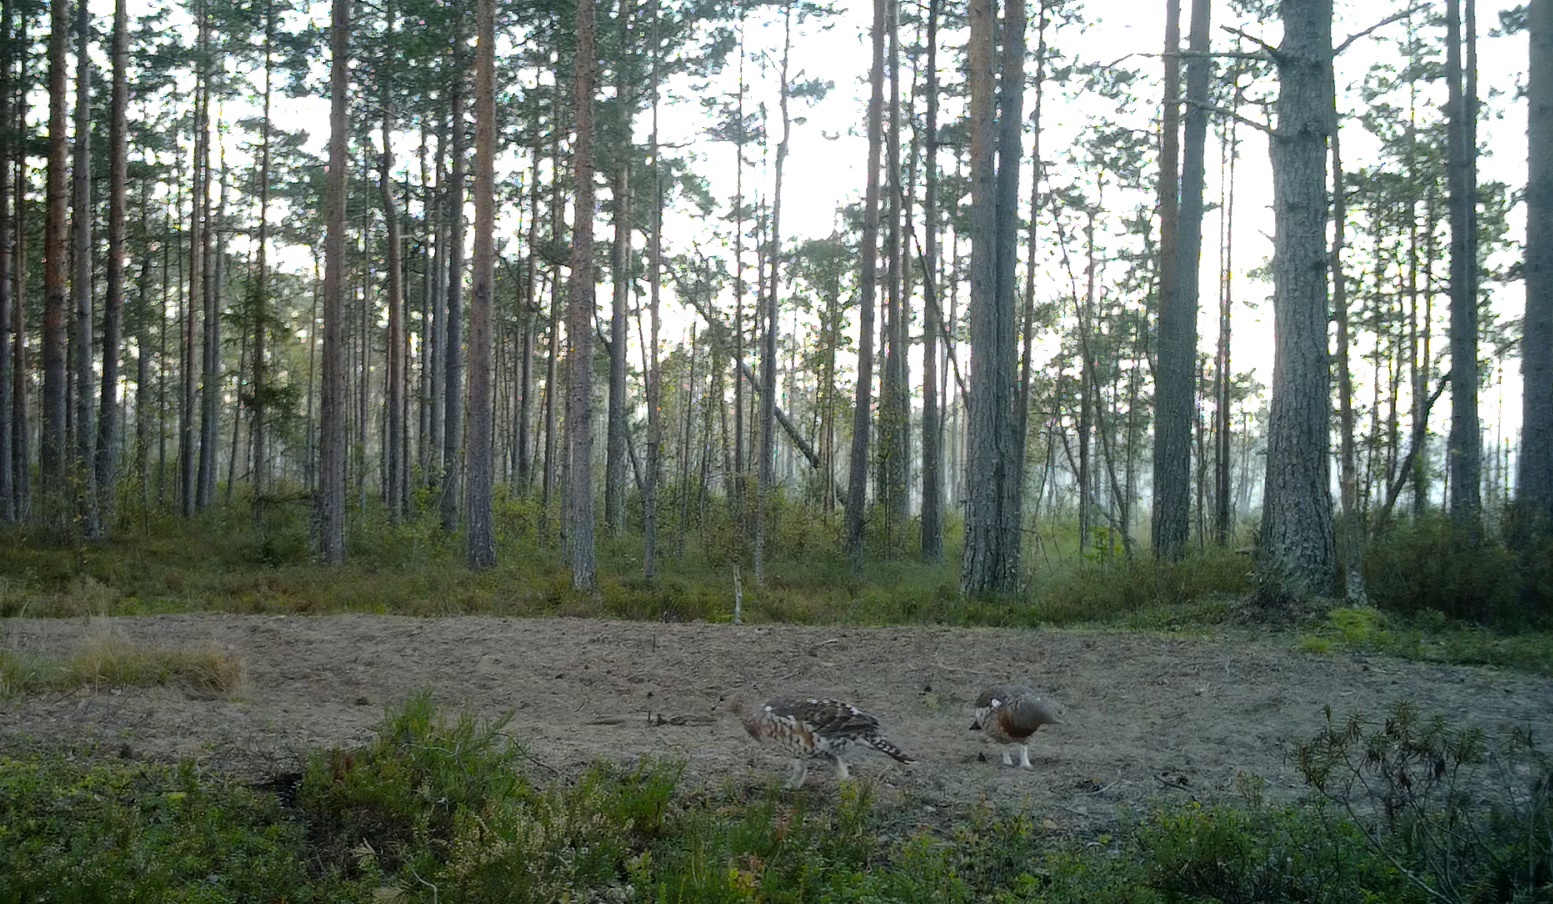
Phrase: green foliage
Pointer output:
(1430, 565)
(1462, 816)
(439, 809)
(1431, 637)
(1259, 854)
(107, 659)
(143, 833)
(403, 793)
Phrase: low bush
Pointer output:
(449, 810)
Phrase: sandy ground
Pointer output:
(1147, 716)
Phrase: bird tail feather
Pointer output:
(884, 746)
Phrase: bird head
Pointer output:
(734, 702)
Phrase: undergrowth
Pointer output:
(104, 658)
(1437, 595)
(1429, 637)
(448, 809)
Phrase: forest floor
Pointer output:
(1148, 716)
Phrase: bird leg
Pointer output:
(1024, 756)
(799, 772)
(1008, 758)
(841, 769)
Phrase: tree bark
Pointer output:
(331, 492)
(766, 473)
(993, 534)
(652, 365)
(52, 448)
(212, 244)
(1348, 479)
(1535, 490)
(453, 351)
(1225, 511)
(1175, 388)
(480, 537)
(932, 429)
(8, 295)
(579, 402)
(894, 404)
(394, 286)
(620, 297)
(113, 301)
(1465, 444)
(1297, 546)
(857, 483)
(259, 395)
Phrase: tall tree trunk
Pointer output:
(331, 492)
(436, 293)
(9, 297)
(579, 402)
(260, 394)
(894, 406)
(1353, 529)
(1027, 329)
(530, 318)
(992, 532)
(1177, 355)
(932, 427)
(196, 269)
(1166, 497)
(620, 276)
(615, 449)
(1297, 547)
(113, 302)
(213, 250)
(766, 474)
(1465, 445)
(453, 357)
(740, 456)
(480, 537)
(653, 368)
(52, 448)
(1535, 489)
(1348, 479)
(394, 284)
(21, 474)
(1224, 514)
(857, 483)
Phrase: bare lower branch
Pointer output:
(1224, 111)
(1272, 52)
(1400, 14)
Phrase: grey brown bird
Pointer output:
(810, 729)
(1011, 714)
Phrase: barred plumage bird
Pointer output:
(1010, 714)
(812, 729)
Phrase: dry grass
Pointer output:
(106, 658)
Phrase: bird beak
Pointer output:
(975, 726)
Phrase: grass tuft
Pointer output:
(106, 658)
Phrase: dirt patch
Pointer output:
(1146, 715)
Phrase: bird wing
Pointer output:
(1021, 716)
(828, 718)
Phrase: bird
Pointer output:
(810, 728)
(1011, 714)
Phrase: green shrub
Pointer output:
(1430, 565)
(401, 796)
(1429, 636)
(1463, 816)
(70, 833)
